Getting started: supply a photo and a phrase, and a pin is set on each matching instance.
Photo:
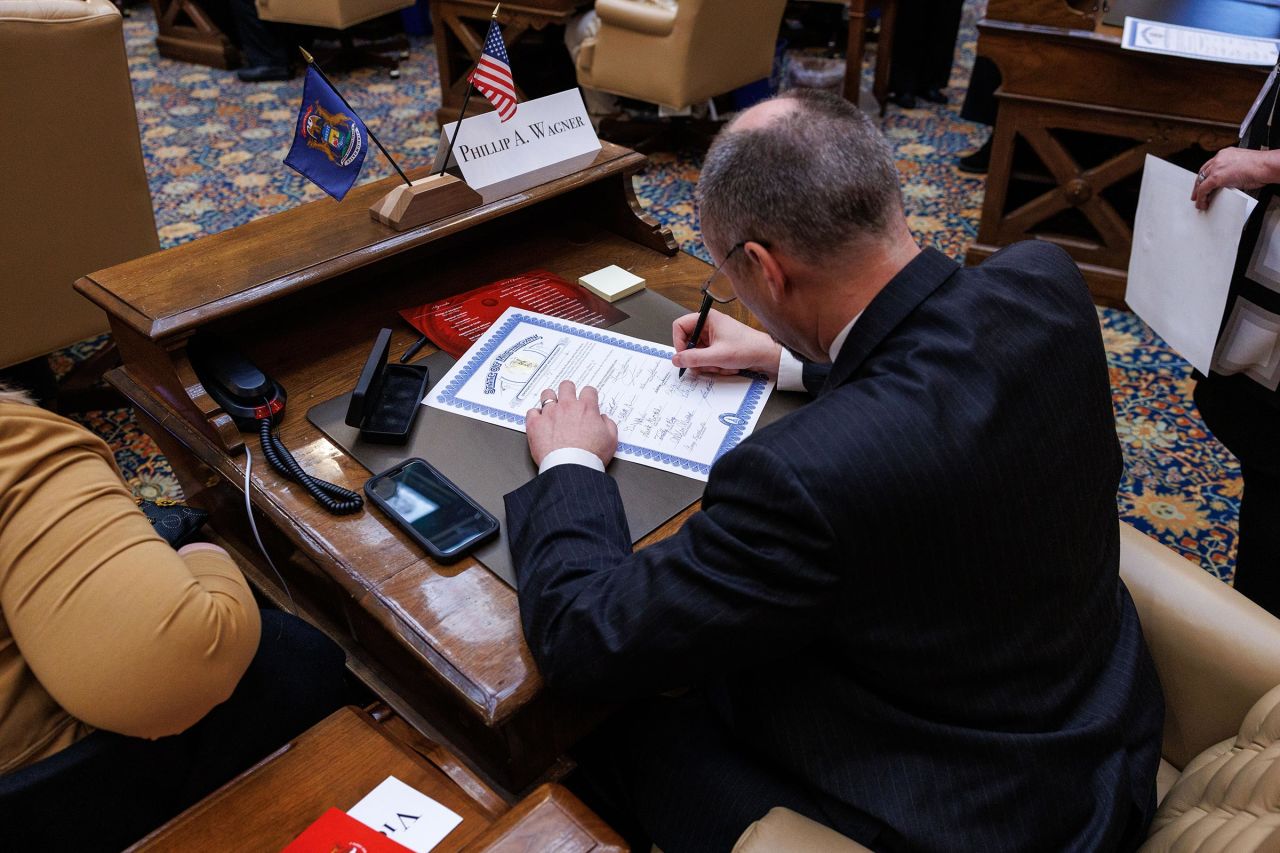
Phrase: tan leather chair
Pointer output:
(1218, 655)
(74, 189)
(341, 15)
(683, 56)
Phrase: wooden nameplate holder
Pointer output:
(425, 200)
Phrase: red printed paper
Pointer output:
(338, 832)
(454, 324)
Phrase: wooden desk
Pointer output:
(344, 757)
(303, 293)
(1078, 115)
(188, 33)
(460, 27)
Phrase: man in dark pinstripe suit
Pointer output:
(899, 611)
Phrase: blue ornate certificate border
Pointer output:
(736, 421)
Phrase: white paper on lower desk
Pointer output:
(1183, 259)
(682, 425)
(405, 815)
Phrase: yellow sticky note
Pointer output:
(612, 283)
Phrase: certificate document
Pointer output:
(677, 424)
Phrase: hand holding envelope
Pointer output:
(1183, 259)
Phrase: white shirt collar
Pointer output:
(838, 343)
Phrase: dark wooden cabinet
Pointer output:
(1078, 115)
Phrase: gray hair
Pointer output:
(811, 181)
(13, 395)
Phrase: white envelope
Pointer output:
(1183, 259)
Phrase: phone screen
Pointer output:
(432, 507)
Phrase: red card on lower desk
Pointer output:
(454, 324)
(338, 832)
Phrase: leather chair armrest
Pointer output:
(639, 17)
(55, 10)
(586, 55)
(1216, 651)
(785, 831)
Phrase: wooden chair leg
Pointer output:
(884, 53)
(855, 50)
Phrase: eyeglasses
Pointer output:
(718, 286)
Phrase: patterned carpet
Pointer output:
(214, 147)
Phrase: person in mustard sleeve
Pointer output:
(134, 679)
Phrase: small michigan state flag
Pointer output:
(331, 141)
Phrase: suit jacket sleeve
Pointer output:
(815, 376)
(749, 577)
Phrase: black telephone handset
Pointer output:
(243, 391)
(254, 400)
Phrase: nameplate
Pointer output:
(547, 139)
(1196, 43)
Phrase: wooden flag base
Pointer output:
(426, 200)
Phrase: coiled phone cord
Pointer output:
(331, 496)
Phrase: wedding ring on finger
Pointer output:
(1201, 176)
(542, 404)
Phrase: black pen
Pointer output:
(414, 349)
(702, 321)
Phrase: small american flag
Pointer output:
(492, 74)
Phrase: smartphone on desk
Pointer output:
(433, 511)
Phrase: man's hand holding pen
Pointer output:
(724, 347)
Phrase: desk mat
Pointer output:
(488, 461)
